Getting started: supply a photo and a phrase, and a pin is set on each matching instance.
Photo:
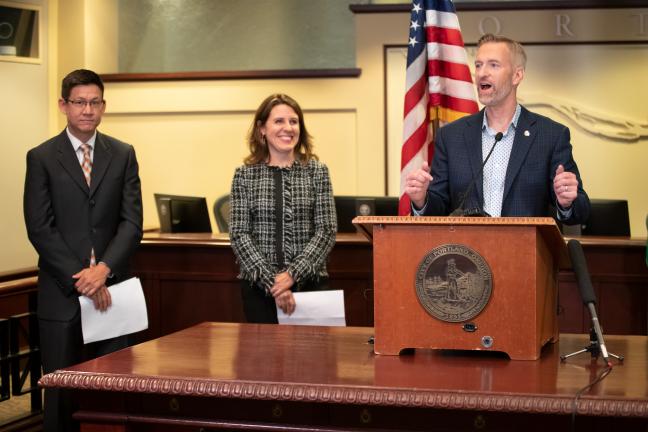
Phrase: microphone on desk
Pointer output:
(478, 211)
(587, 292)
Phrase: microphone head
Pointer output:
(499, 136)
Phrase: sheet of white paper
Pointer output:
(126, 315)
(316, 308)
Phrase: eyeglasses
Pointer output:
(80, 104)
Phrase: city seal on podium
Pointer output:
(453, 283)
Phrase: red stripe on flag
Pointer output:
(415, 93)
(414, 144)
(457, 104)
(438, 65)
(444, 35)
(455, 71)
(404, 205)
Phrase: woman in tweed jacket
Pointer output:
(282, 214)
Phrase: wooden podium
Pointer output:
(518, 312)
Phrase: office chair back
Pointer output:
(348, 207)
(608, 217)
(222, 213)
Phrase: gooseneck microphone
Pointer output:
(460, 211)
(587, 291)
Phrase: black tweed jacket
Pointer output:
(309, 221)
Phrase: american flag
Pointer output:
(439, 85)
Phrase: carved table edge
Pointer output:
(318, 393)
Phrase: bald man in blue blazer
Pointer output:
(531, 167)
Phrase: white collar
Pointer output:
(76, 142)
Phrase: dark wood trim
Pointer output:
(19, 286)
(243, 425)
(552, 43)
(507, 5)
(380, 8)
(600, 241)
(222, 239)
(18, 274)
(233, 75)
(605, 42)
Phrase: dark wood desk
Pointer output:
(191, 278)
(620, 278)
(218, 376)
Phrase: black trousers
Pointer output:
(61, 344)
(261, 308)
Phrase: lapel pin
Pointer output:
(527, 133)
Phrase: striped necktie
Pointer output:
(86, 166)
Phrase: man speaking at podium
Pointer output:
(526, 158)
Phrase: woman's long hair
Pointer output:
(257, 142)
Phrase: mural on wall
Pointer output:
(597, 123)
(234, 35)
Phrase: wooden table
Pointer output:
(217, 376)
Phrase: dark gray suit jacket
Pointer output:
(65, 218)
(528, 188)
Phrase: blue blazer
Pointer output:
(528, 189)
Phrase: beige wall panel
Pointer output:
(196, 153)
(71, 27)
(373, 32)
(23, 125)
(331, 108)
(334, 137)
(396, 59)
(101, 35)
(607, 83)
(181, 154)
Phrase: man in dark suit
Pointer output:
(83, 212)
(531, 167)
